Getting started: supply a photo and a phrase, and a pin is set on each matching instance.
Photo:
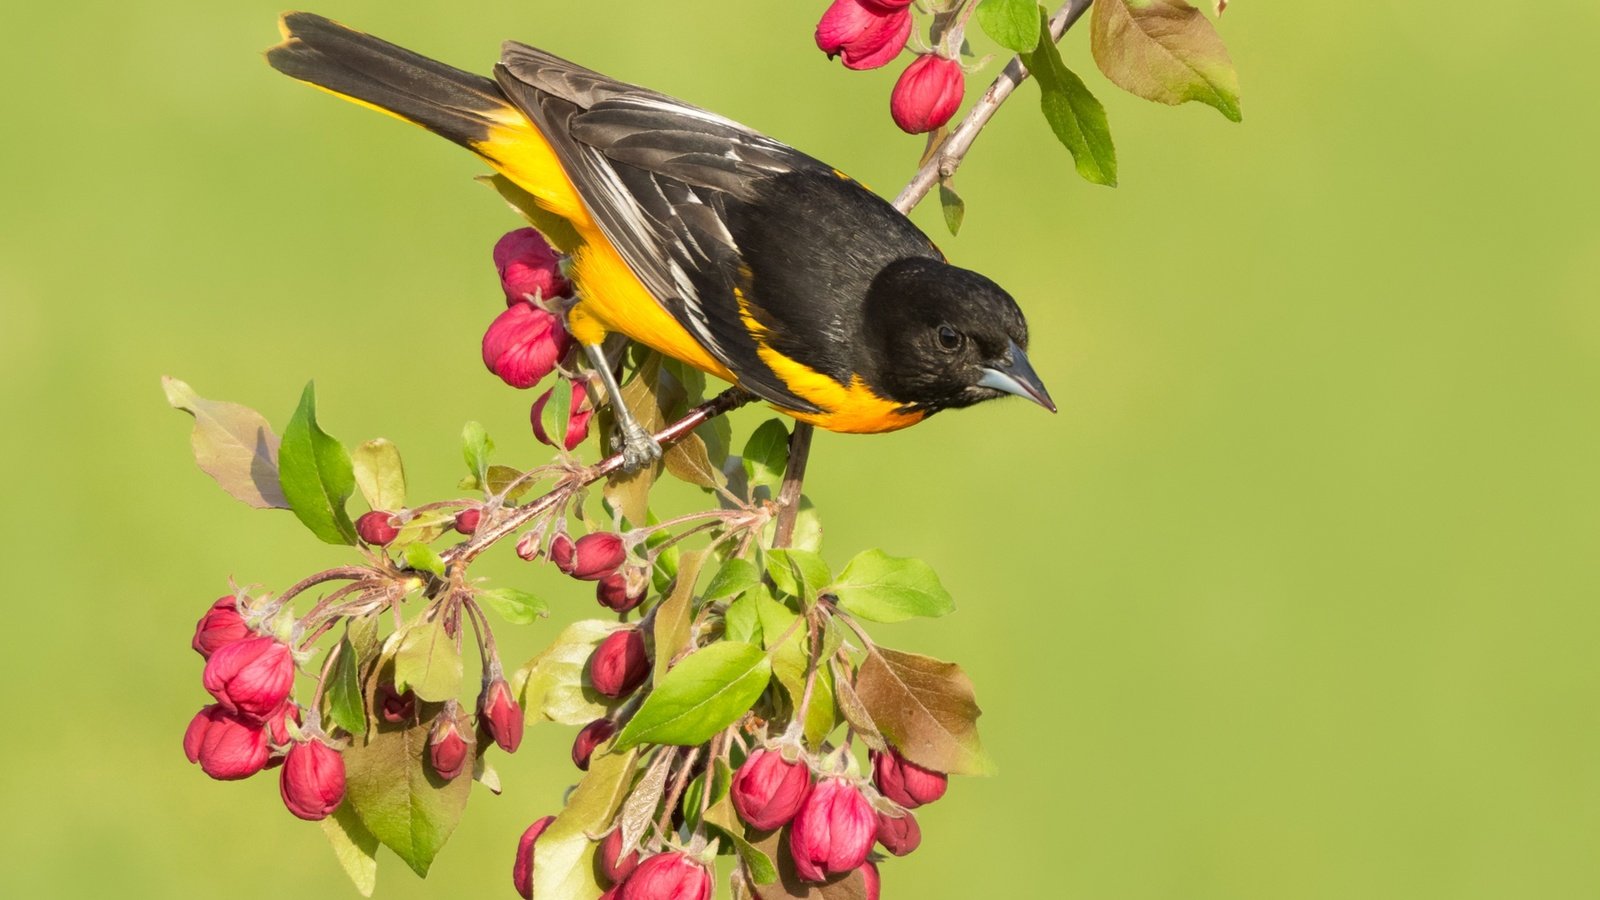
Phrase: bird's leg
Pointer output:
(638, 448)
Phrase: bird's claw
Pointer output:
(638, 448)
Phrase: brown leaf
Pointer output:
(854, 711)
(926, 708)
(233, 444)
(688, 460)
(671, 633)
(1166, 51)
(790, 885)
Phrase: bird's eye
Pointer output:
(949, 338)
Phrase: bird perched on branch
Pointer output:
(705, 240)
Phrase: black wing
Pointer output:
(660, 176)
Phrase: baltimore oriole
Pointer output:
(705, 240)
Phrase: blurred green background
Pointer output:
(1295, 599)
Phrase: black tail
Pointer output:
(443, 99)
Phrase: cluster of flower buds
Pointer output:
(255, 723)
(867, 34)
(601, 557)
(527, 342)
(672, 875)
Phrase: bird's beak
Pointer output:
(1015, 375)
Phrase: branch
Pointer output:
(492, 532)
(941, 164)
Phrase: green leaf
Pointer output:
(742, 621)
(1013, 24)
(671, 633)
(1076, 117)
(397, 798)
(428, 662)
(500, 481)
(345, 707)
(355, 847)
(786, 638)
(557, 413)
(926, 708)
(380, 474)
(516, 607)
(552, 685)
(233, 444)
(476, 446)
(424, 559)
(886, 588)
(736, 576)
(765, 456)
(955, 209)
(688, 460)
(424, 528)
(316, 474)
(1166, 51)
(704, 693)
(564, 853)
(801, 573)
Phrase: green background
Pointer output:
(1294, 599)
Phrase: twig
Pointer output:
(944, 161)
(794, 476)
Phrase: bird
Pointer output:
(704, 239)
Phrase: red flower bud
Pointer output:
(623, 591)
(869, 876)
(905, 782)
(312, 781)
(374, 528)
(927, 94)
(252, 677)
(395, 707)
(523, 344)
(529, 265)
(832, 832)
(577, 422)
(594, 556)
(619, 664)
(529, 547)
(447, 747)
(220, 626)
(467, 520)
(226, 746)
(668, 876)
(522, 869)
(562, 550)
(591, 736)
(899, 836)
(613, 865)
(500, 715)
(768, 791)
(867, 32)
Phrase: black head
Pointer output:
(940, 337)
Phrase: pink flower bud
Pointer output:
(622, 591)
(927, 94)
(832, 832)
(312, 781)
(529, 265)
(668, 876)
(619, 664)
(905, 782)
(593, 557)
(252, 677)
(899, 836)
(563, 550)
(395, 707)
(868, 33)
(221, 625)
(529, 546)
(467, 520)
(523, 344)
(767, 791)
(869, 876)
(500, 715)
(577, 423)
(591, 736)
(374, 528)
(277, 723)
(522, 869)
(613, 865)
(226, 746)
(447, 747)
